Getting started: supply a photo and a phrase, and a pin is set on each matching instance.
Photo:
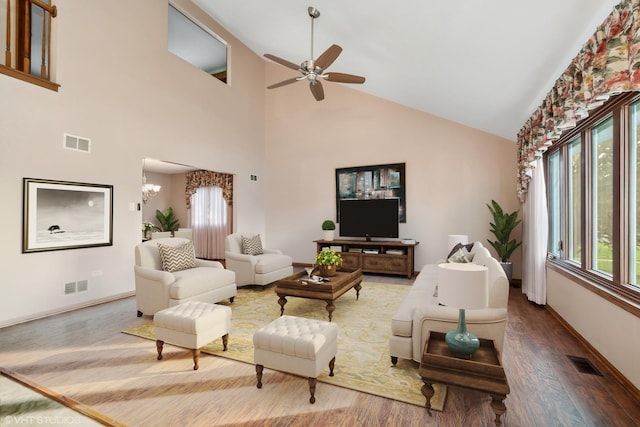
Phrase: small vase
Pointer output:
(324, 271)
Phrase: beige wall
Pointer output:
(452, 171)
(614, 332)
(124, 90)
(171, 195)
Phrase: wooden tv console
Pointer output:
(389, 257)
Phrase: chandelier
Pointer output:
(149, 191)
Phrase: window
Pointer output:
(553, 168)
(593, 190)
(602, 197)
(197, 45)
(634, 195)
(27, 41)
(574, 241)
(210, 222)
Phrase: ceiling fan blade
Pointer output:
(344, 78)
(316, 90)
(284, 83)
(328, 56)
(282, 61)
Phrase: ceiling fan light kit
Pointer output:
(314, 70)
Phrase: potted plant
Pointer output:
(328, 262)
(501, 227)
(148, 226)
(328, 229)
(167, 220)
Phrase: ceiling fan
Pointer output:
(314, 70)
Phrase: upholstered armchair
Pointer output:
(176, 275)
(253, 264)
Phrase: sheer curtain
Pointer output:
(209, 221)
(534, 277)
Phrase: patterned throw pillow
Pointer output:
(466, 250)
(252, 245)
(175, 258)
(459, 256)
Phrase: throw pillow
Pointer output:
(468, 248)
(175, 258)
(252, 245)
(458, 256)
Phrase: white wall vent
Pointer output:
(83, 285)
(69, 288)
(77, 143)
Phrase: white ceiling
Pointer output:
(170, 168)
(483, 63)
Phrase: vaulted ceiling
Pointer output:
(485, 64)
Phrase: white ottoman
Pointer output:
(192, 324)
(298, 346)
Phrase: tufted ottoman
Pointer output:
(298, 346)
(192, 324)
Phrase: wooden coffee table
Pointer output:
(294, 286)
(482, 372)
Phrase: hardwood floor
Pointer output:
(83, 355)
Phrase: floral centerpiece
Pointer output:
(328, 262)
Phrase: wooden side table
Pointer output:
(482, 372)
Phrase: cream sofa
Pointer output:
(156, 289)
(420, 313)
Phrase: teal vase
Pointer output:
(462, 342)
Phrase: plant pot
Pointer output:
(328, 234)
(324, 271)
(508, 270)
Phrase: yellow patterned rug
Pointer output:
(362, 362)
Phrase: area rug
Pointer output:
(362, 363)
(24, 402)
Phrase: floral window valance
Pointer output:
(201, 178)
(607, 64)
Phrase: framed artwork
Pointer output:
(372, 182)
(66, 215)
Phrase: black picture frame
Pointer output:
(372, 182)
(60, 215)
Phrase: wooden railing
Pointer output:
(19, 37)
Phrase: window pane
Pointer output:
(554, 203)
(37, 31)
(602, 191)
(196, 45)
(634, 196)
(574, 243)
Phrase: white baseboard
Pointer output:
(66, 309)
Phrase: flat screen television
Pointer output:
(368, 218)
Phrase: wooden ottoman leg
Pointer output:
(312, 390)
(331, 365)
(159, 345)
(259, 375)
(225, 341)
(196, 356)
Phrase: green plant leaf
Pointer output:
(167, 220)
(502, 226)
